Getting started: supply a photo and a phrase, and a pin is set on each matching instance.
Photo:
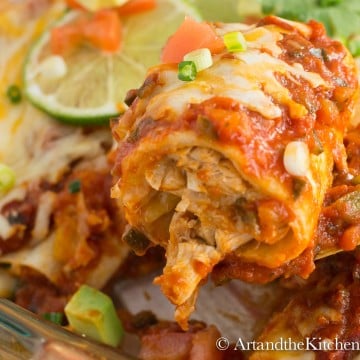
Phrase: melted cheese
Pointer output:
(208, 221)
(19, 27)
(38, 148)
(261, 38)
(32, 143)
(258, 90)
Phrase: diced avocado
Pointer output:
(92, 313)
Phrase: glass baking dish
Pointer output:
(25, 336)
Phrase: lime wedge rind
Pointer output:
(47, 102)
(93, 92)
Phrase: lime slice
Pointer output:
(226, 10)
(94, 85)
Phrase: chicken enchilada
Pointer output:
(238, 160)
(241, 164)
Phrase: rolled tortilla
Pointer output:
(69, 238)
(207, 168)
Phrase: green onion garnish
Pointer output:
(55, 317)
(74, 186)
(187, 71)
(7, 178)
(201, 57)
(235, 41)
(14, 94)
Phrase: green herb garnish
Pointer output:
(55, 317)
(74, 186)
(14, 94)
(341, 18)
(187, 71)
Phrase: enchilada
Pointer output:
(237, 161)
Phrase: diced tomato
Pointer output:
(203, 345)
(136, 6)
(350, 238)
(191, 35)
(175, 345)
(65, 38)
(73, 4)
(104, 30)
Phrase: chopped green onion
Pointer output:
(55, 317)
(74, 186)
(14, 94)
(187, 71)
(7, 178)
(235, 41)
(201, 57)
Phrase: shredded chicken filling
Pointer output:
(210, 198)
(213, 212)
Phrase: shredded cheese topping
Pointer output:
(259, 91)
